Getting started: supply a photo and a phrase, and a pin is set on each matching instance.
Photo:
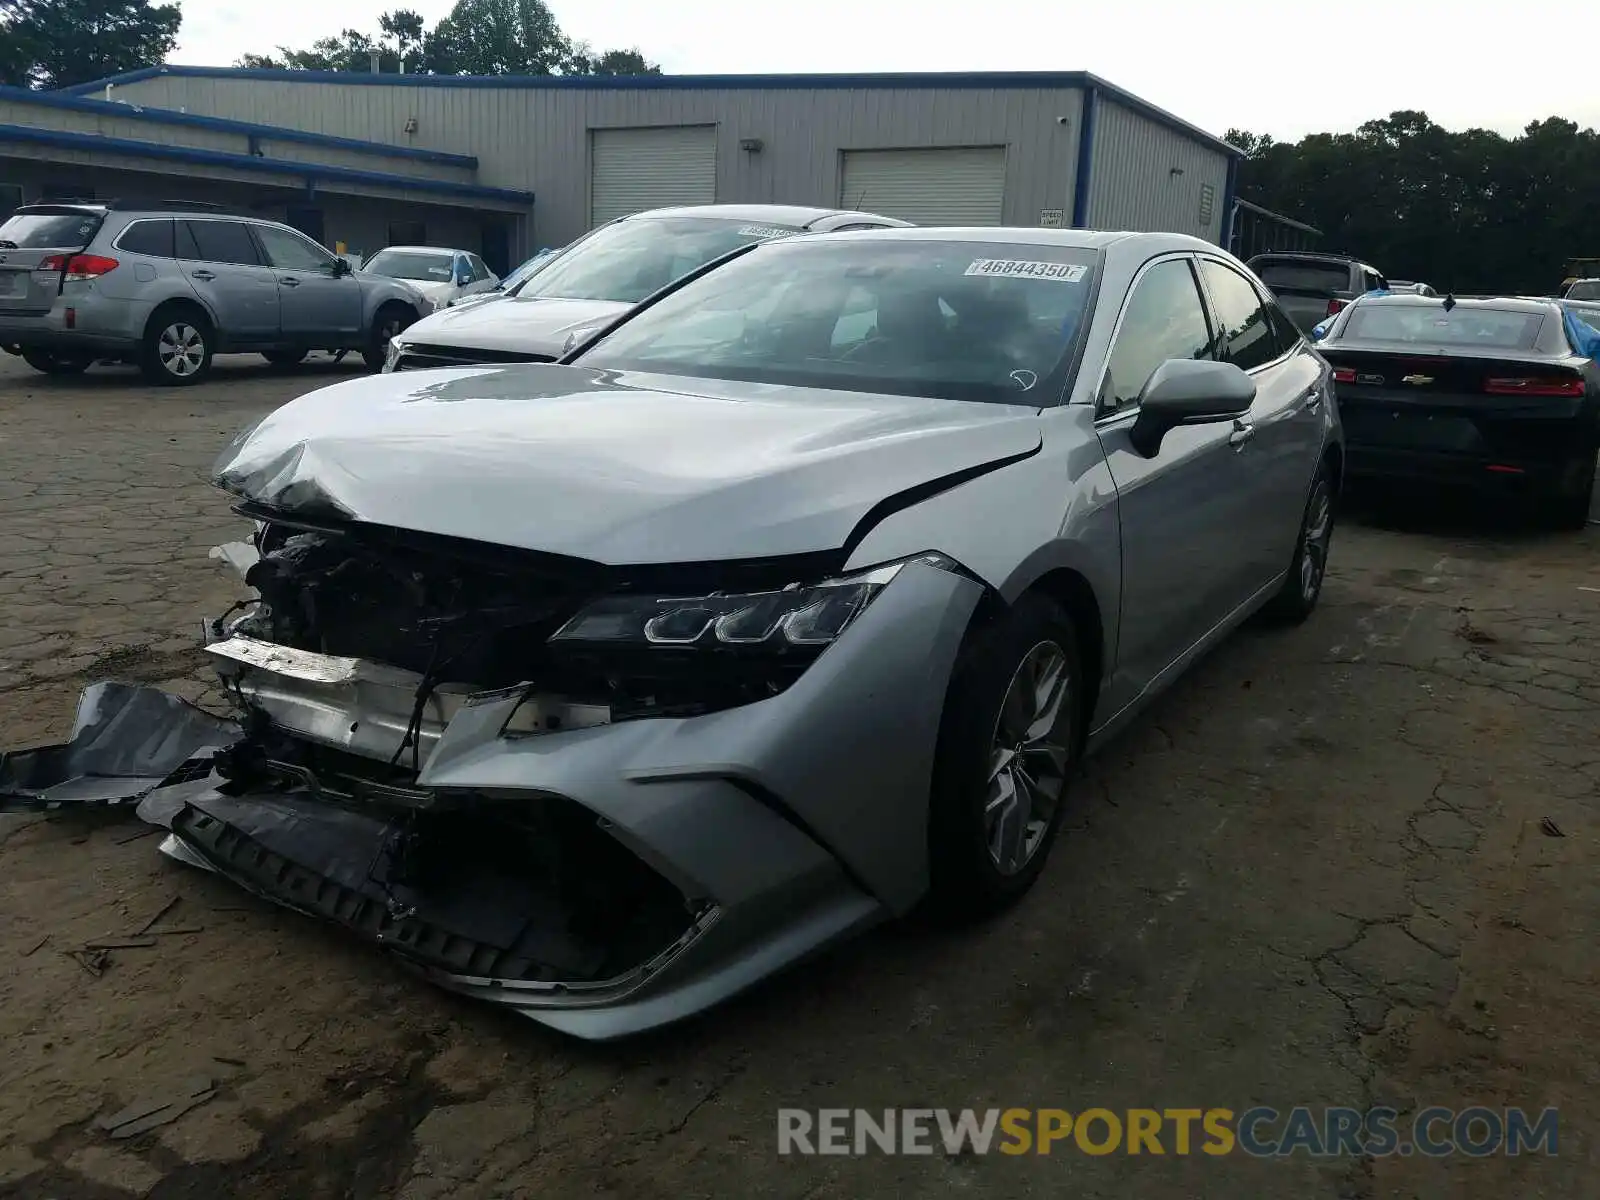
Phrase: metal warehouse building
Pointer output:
(506, 165)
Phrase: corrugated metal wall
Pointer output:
(1147, 177)
(36, 116)
(538, 139)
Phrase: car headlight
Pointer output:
(391, 357)
(798, 617)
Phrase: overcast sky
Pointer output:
(1284, 69)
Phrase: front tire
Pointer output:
(177, 347)
(391, 321)
(56, 364)
(1008, 738)
(1302, 587)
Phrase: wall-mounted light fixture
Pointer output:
(1175, 171)
(411, 124)
(751, 145)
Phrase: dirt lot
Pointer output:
(1316, 874)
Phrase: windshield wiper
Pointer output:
(5, 245)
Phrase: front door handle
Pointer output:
(203, 274)
(1242, 433)
(288, 281)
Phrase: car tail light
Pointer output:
(76, 268)
(1533, 387)
(1335, 306)
(1344, 375)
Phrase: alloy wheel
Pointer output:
(1318, 533)
(1028, 758)
(181, 349)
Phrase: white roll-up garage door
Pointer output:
(636, 169)
(964, 186)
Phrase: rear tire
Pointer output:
(177, 346)
(1570, 510)
(1007, 741)
(392, 319)
(284, 358)
(52, 363)
(1297, 598)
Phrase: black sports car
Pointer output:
(1493, 393)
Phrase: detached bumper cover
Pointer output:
(776, 828)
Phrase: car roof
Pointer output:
(1307, 256)
(797, 215)
(424, 249)
(1032, 235)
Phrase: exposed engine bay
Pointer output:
(345, 670)
(443, 747)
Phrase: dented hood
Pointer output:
(529, 324)
(615, 467)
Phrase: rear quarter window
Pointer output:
(152, 238)
(1469, 328)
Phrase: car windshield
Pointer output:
(426, 266)
(49, 230)
(1488, 328)
(1584, 289)
(980, 321)
(630, 260)
(1282, 274)
(515, 280)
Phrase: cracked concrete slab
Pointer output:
(1312, 874)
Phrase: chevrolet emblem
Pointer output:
(1419, 380)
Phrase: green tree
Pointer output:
(477, 37)
(1469, 211)
(57, 43)
(498, 37)
(611, 62)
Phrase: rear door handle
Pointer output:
(1314, 399)
(288, 281)
(1241, 434)
(203, 274)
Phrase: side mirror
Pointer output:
(341, 268)
(1188, 392)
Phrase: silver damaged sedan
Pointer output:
(604, 689)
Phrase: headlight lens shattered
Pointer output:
(800, 615)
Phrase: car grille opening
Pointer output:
(530, 889)
(417, 356)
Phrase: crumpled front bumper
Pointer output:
(781, 826)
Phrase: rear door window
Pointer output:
(153, 238)
(217, 242)
(1283, 275)
(1246, 337)
(62, 230)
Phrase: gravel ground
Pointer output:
(1347, 864)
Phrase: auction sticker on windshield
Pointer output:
(764, 231)
(1016, 268)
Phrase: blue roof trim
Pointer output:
(310, 172)
(167, 116)
(907, 79)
